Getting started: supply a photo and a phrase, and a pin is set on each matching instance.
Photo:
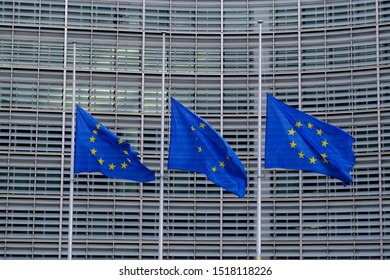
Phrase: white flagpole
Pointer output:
(161, 208)
(71, 183)
(259, 140)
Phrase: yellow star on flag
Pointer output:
(293, 144)
(324, 157)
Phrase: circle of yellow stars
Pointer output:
(221, 163)
(294, 145)
(100, 160)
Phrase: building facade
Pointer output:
(327, 58)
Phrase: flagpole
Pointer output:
(161, 206)
(259, 140)
(71, 183)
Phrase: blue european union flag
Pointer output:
(97, 149)
(296, 140)
(196, 146)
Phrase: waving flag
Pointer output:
(296, 140)
(197, 147)
(99, 150)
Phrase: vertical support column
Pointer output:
(379, 119)
(259, 150)
(300, 183)
(161, 206)
(221, 130)
(71, 183)
(62, 176)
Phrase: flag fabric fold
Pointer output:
(296, 140)
(197, 147)
(97, 149)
